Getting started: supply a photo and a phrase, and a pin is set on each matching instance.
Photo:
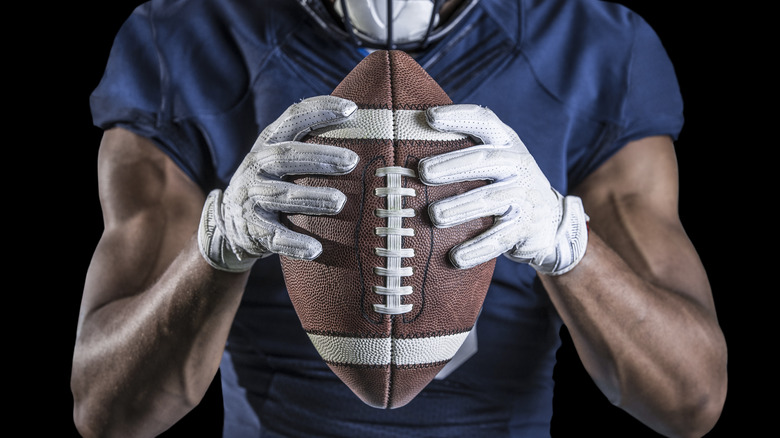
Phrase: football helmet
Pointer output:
(389, 24)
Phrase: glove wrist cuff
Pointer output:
(571, 240)
(213, 245)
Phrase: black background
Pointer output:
(56, 55)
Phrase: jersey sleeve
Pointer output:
(135, 93)
(649, 104)
(653, 103)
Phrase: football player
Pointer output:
(203, 105)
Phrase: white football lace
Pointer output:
(393, 271)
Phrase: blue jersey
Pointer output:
(577, 80)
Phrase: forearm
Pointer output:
(654, 352)
(143, 361)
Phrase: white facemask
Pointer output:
(410, 18)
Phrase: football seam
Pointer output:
(424, 335)
(393, 353)
(391, 365)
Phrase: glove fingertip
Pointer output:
(458, 263)
(296, 246)
(436, 216)
(307, 255)
(340, 108)
(348, 107)
(351, 160)
(462, 259)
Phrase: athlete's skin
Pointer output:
(155, 316)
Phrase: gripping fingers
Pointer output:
(510, 231)
(473, 120)
(519, 222)
(491, 200)
(497, 240)
(296, 158)
(474, 163)
(274, 196)
(306, 115)
(278, 196)
(267, 235)
(264, 232)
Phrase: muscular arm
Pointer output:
(639, 306)
(154, 315)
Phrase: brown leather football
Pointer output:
(382, 304)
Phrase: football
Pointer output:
(382, 304)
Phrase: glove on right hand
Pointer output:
(533, 224)
(242, 224)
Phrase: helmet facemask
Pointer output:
(415, 23)
(410, 23)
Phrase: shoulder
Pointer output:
(583, 18)
(533, 20)
(582, 50)
(206, 28)
(211, 49)
(208, 12)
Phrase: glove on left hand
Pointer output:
(534, 223)
(242, 224)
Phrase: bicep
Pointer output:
(632, 201)
(150, 210)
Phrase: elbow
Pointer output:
(90, 416)
(93, 418)
(695, 413)
(93, 422)
(94, 410)
(85, 417)
(692, 418)
(85, 427)
(687, 408)
(691, 404)
(703, 417)
(695, 421)
(703, 404)
(104, 411)
(709, 417)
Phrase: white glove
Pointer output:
(534, 223)
(242, 224)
